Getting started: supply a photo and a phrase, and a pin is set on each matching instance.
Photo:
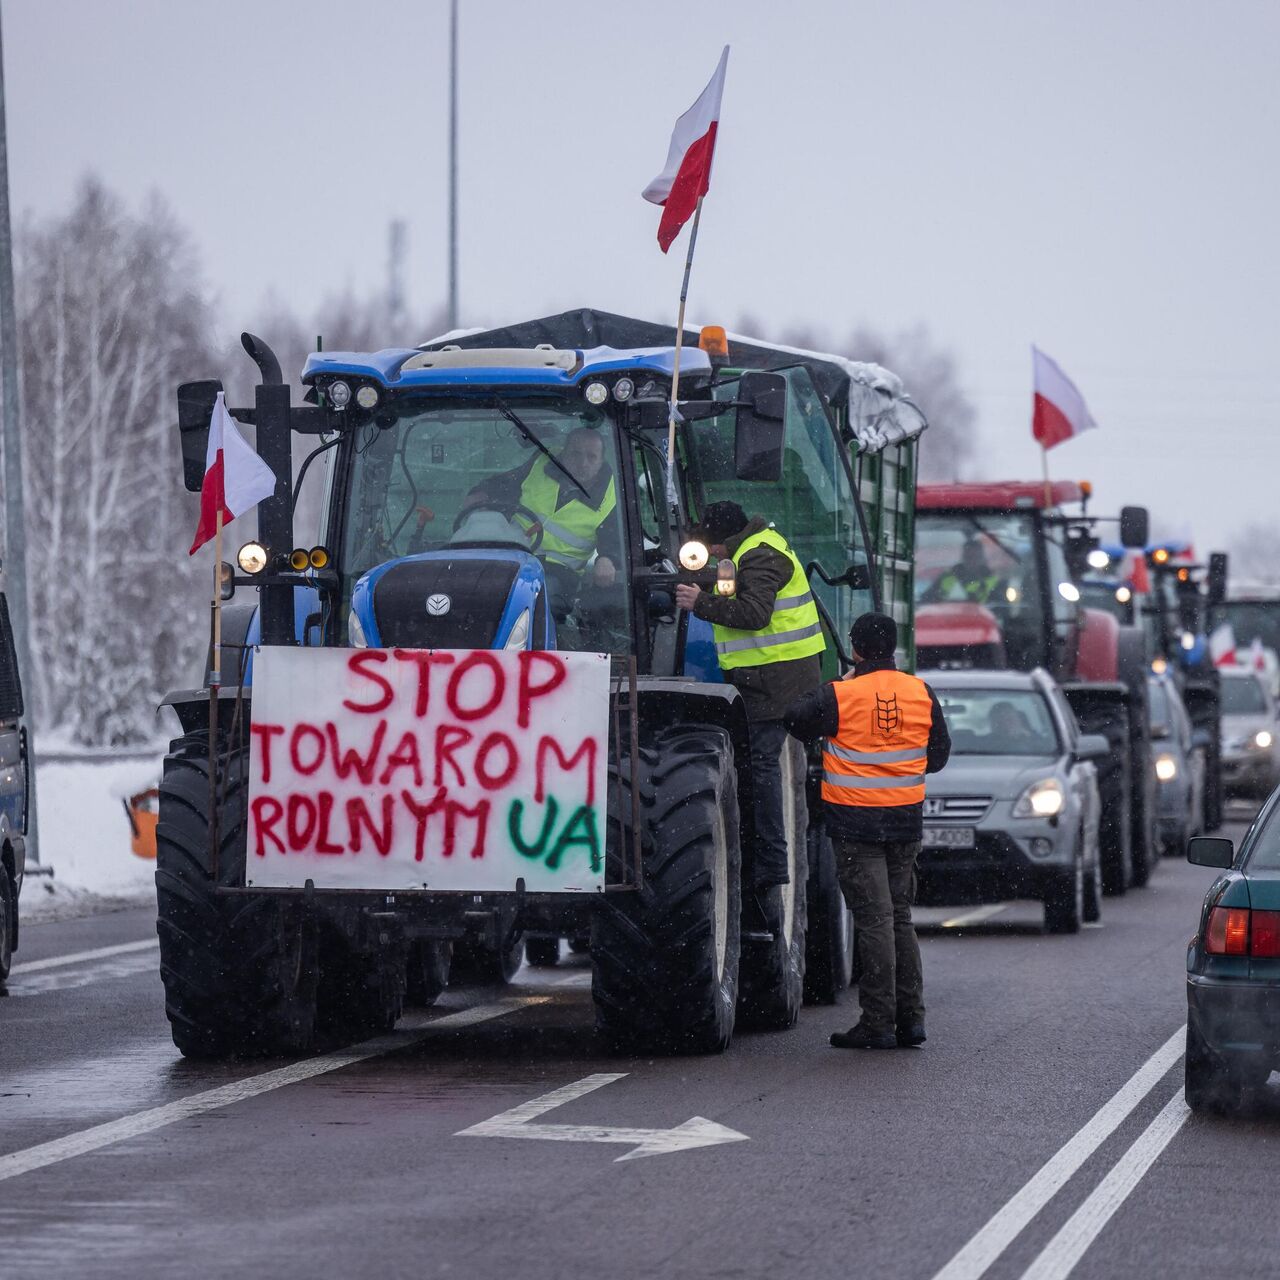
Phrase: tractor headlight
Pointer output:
(1166, 768)
(694, 556)
(299, 559)
(367, 397)
(1069, 592)
(1042, 799)
(1124, 595)
(355, 632)
(339, 394)
(1262, 739)
(1187, 640)
(596, 393)
(519, 636)
(252, 557)
(1097, 559)
(623, 389)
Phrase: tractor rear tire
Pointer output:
(476, 961)
(665, 955)
(427, 972)
(361, 993)
(829, 948)
(240, 971)
(542, 952)
(8, 911)
(771, 976)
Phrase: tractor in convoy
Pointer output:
(996, 587)
(457, 719)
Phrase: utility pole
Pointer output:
(453, 164)
(15, 529)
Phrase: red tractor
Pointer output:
(995, 588)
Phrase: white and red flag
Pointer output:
(1222, 645)
(687, 174)
(235, 478)
(1059, 410)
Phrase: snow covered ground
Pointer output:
(84, 837)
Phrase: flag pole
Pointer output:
(215, 680)
(672, 499)
(1048, 489)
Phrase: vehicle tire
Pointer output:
(360, 993)
(829, 939)
(542, 953)
(771, 976)
(1114, 836)
(1064, 900)
(427, 972)
(8, 910)
(665, 956)
(1091, 910)
(1202, 1077)
(239, 973)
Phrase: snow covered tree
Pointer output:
(111, 318)
(1255, 554)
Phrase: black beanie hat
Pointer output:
(719, 521)
(874, 636)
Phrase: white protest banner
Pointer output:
(440, 769)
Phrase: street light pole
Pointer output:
(453, 164)
(15, 529)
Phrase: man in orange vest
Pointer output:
(884, 731)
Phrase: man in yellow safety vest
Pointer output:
(769, 644)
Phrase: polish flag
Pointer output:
(687, 174)
(1222, 646)
(235, 478)
(1059, 411)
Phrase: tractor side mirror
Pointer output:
(1134, 526)
(195, 410)
(1217, 577)
(759, 426)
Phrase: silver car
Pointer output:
(1178, 758)
(1250, 759)
(1015, 812)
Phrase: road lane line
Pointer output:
(1008, 1222)
(976, 916)
(68, 979)
(83, 957)
(77, 1144)
(1059, 1257)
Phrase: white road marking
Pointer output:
(1007, 1223)
(695, 1132)
(65, 980)
(976, 916)
(17, 1163)
(1059, 1257)
(83, 957)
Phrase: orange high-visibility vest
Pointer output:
(877, 758)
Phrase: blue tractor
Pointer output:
(434, 539)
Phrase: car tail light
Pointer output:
(1264, 934)
(1228, 932)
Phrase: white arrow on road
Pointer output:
(695, 1132)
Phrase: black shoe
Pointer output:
(910, 1035)
(861, 1037)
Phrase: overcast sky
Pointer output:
(1096, 177)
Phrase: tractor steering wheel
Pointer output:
(534, 533)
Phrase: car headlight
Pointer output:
(355, 632)
(1042, 799)
(1166, 768)
(1261, 739)
(519, 633)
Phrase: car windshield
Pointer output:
(1254, 620)
(1242, 696)
(998, 722)
(1158, 702)
(1110, 597)
(525, 474)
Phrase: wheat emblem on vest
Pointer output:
(886, 718)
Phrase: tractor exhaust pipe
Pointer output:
(275, 514)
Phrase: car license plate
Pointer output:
(948, 838)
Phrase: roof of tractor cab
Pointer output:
(880, 412)
(1006, 495)
(404, 367)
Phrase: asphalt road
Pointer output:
(1040, 1129)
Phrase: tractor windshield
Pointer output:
(520, 474)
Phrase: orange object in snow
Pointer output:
(141, 810)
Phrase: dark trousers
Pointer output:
(879, 883)
(769, 843)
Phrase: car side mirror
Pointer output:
(195, 411)
(1092, 746)
(759, 426)
(1134, 526)
(1211, 851)
(1217, 577)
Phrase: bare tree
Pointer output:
(1255, 553)
(111, 318)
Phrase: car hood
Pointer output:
(1004, 777)
(1243, 727)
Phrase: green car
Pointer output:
(1233, 967)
